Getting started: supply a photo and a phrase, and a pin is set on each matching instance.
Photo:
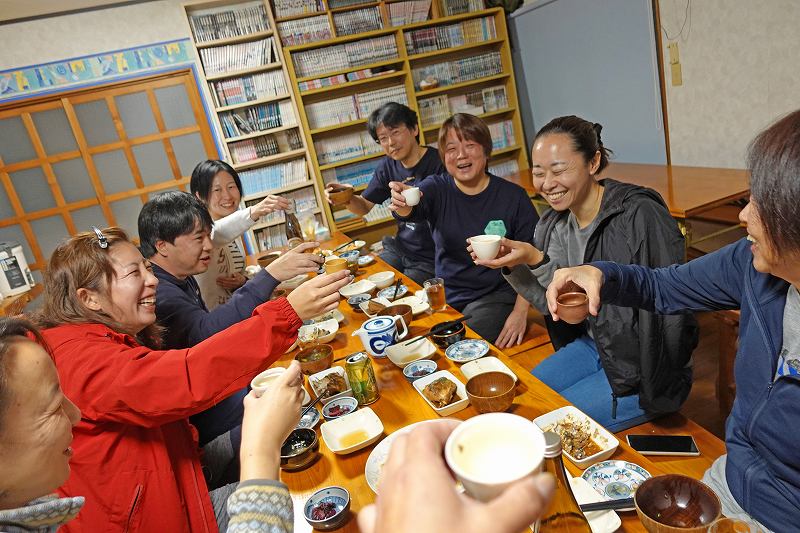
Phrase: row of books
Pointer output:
(352, 107)
(437, 109)
(257, 118)
(358, 21)
(356, 174)
(225, 22)
(307, 30)
(379, 212)
(250, 149)
(343, 56)
(329, 81)
(265, 146)
(336, 4)
(220, 59)
(402, 13)
(290, 8)
(344, 147)
(457, 71)
(502, 134)
(248, 88)
(456, 7)
(450, 35)
(274, 176)
(504, 168)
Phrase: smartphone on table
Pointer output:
(663, 444)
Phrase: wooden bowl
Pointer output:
(402, 310)
(676, 504)
(315, 359)
(265, 259)
(491, 392)
(573, 307)
(341, 195)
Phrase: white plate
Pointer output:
(486, 364)
(402, 355)
(365, 260)
(461, 393)
(601, 436)
(364, 420)
(467, 350)
(380, 453)
(600, 521)
(365, 306)
(338, 315)
(331, 326)
(422, 295)
(359, 287)
(417, 306)
(313, 378)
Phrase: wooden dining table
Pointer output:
(400, 405)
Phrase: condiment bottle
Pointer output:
(563, 514)
(294, 235)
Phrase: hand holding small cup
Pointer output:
(588, 278)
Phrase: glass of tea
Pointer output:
(434, 290)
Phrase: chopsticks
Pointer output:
(348, 243)
(610, 505)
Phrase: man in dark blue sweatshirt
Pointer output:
(174, 230)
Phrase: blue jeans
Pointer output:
(575, 372)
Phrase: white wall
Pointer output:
(741, 71)
(62, 37)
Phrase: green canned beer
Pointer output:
(362, 378)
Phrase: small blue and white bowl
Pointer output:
(419, 369)
(467, 350)
(388, 292)
(339, 407)
(335, 498)
(309, 420)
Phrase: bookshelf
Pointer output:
(436, 56)
(240, 49)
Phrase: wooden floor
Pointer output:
(701, 406)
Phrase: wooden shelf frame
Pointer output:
(292, 95)
(404, 64)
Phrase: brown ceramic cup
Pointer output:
(573, 307)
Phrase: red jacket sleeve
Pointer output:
(111, 381)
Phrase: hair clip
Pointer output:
(101, 239)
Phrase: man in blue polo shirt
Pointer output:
(395, 127)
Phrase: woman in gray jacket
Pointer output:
(624, 366)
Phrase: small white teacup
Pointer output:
(489, 452)
(485, 246)
(412, 196)
(262, 382)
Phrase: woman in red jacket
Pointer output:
(137, 461)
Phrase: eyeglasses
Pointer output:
(393, 136)
(101, 239)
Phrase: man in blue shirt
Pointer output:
(395, 127)
(174, 230)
